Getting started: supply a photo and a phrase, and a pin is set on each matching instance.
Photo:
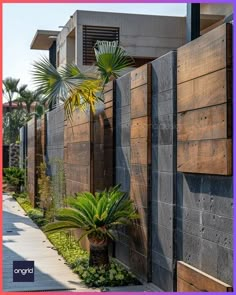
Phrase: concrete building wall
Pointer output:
(63, 50)
(141, 35)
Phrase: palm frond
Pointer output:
(59, 226)
(98, 214)
(111, 59)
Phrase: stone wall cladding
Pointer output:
(163, 170)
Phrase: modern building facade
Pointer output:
(145, 37)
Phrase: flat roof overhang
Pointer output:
(43, 39)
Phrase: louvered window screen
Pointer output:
(91, 34)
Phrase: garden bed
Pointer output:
(78, 259)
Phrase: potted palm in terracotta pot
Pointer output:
(97, 215)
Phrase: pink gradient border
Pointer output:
(234, 134)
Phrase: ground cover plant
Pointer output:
(76, 258)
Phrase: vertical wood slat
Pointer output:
(77, 135)
(44, 136)
(140, 169)
(204, 103)
(97, 149)
(109, 136)
(31, 159)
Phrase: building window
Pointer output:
(93, 33)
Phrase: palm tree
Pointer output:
(27, 98)
(12, 122)
(97, 215)
(77, 89)
(10, 88)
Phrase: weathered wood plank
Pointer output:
(108, 127)
(139, 194)
(139, 174)
(139, 151)
(141, 76)
(208, 90)
(183, 286)
(78, 173)
(199, 279)
(207, 123)
(79, 117)
(204, 55)
(31, 159)
(108, 112)
(138, 239)
(108, 86)
(205, 156)
(140, 104)
(108, 97)
(139, 127)
(140, 158)
(78, 153)
(79, 133)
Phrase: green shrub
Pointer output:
(45, 190)
(78, 260)
(103, 276)
(14, 176)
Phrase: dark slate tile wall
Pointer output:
(55, 143)
(205, 223)
(163, 170)
(55, 138)
(122, 152)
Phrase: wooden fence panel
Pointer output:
(204, 103)
(140, 160)
(108, 127)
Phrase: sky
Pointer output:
(21, 21)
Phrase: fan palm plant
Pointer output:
(77, 89)
(28, 98)
(10, 89)
(111, 59)
(97, 215)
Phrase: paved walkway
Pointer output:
(23, 240)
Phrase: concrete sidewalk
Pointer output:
(23, 240)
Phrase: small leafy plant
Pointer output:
(101, 276)
(45, 192)
(14, 177)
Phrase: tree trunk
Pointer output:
(98, 254)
